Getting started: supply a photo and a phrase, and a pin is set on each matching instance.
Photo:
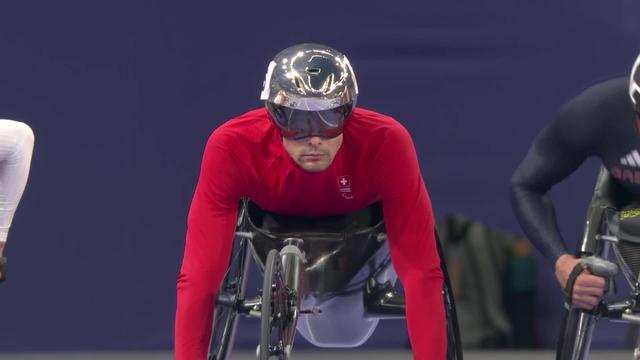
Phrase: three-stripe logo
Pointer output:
(631, 159)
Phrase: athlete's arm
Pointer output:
(410, 228)
(573, 136)
(547, 162)
(16, 148)
(559, 149)
(210, 226)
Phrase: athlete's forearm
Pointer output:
(206, 255)
(426, 322)
(194, 316)
(536, 213)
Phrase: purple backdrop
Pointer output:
(123, 94)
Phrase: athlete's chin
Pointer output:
(314, 166)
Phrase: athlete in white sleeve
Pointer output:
(16, 146)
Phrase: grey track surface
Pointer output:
(315, 355)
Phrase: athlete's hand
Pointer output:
(588, 289)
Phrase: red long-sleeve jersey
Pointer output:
(377, 161)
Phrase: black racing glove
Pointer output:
(3, 268)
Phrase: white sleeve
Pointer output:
(16, 147)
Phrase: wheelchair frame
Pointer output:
(282, 270)
(578, 325)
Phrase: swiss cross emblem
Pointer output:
(344, 181)
(345, 187)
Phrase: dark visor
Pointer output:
(298, 124)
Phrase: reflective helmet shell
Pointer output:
(310, 77)
(309, 90)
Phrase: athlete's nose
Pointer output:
(314, 140)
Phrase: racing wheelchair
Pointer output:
(612, 224)
(329, 278)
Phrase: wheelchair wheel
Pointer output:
(225, 312)
(454, 346)
(275, 312)
(454, 349)
(575, 337)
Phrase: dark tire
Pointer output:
(575, 335)
(454, 346)
(225, 313)
(274, 312)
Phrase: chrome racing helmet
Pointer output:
(309, 90)
(634, 86)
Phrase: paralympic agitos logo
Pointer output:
(344, 183)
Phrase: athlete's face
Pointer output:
(313, 153)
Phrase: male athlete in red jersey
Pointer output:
(310, 152)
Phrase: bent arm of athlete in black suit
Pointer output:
(590, 124)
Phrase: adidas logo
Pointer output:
(632, 159)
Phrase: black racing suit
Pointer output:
(598, 122)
